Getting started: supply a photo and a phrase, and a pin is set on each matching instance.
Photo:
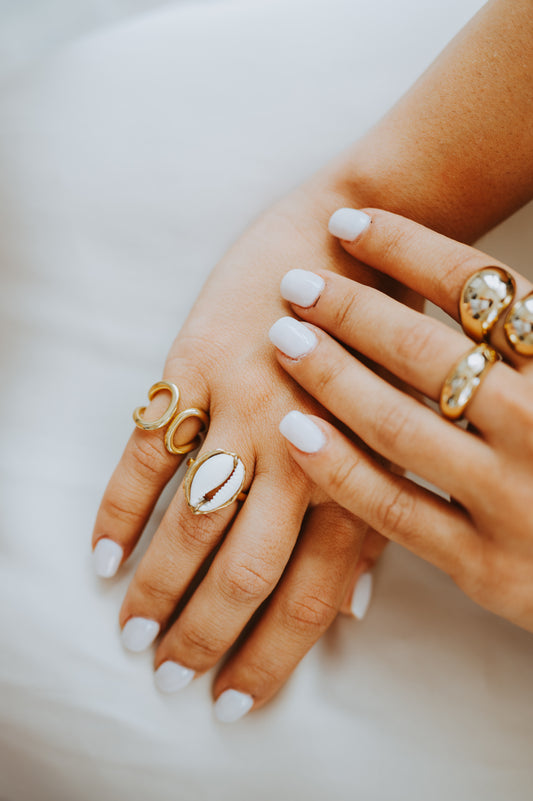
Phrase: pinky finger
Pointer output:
(427, 525)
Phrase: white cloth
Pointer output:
(129, 162)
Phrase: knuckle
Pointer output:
(263, 676)
(393, 425)
(309, 613)
(326, 377)
(342, 478)
(118, 508)
(395, 512)
(197, 534)
(202, 644)
(156, 586)
(243, 583)
(346, 311)
(415, 343)
(149, 457)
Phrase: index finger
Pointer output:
(432, 264)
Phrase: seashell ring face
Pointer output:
(214, 481)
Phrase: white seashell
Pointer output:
(219, 472)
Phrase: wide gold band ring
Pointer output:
(464, 379)
(484, 298)
(518, 326)
(171, 418)
(214, 481)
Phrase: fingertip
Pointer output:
(347, 224)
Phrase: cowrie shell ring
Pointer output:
(171, 418)
(214, 481)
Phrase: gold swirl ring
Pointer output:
(171, 418)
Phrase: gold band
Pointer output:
(518, 326)
(171, 418)
(484, 298)
(464, 379)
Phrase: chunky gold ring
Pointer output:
(214, 481)
(484, 298)
(464, 380)
(171, 418)
(518, 326)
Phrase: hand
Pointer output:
(484, 537)
(287, 536)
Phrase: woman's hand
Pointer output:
(222, 363)
(484, 537)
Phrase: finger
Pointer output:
(303, 606)
(416, 348)
(359, 593)
(433, 265)
(180, 547)
(390, 422)
(402, 511)
(245, 571)
(138, 480)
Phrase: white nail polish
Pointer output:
(347, 224)
(107, 557)
(362, 595)
(302, 432)
(139, 633)
(293, 338)
(301, 287)
(232, 705)
(171, 677)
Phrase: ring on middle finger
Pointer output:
(484, 298)
(213, 481)
(464, 379)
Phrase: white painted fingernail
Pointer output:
(232, 705)
(293, 338)
(301, 287)
(139, 633)
(107, 557)
(362, 595)
(171, 677)
(300, 430)
(347, 224)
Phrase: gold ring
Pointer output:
(214, 481)
(171, 418)
(484, 298)
(464, 380)
(518, 326)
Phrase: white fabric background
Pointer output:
(129, 160)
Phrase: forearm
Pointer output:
(456, 152)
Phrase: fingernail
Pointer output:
(293, 338)
(232, 705)
(139, 633)
(362, 595)
(301, 287)
(347, 224)
(300, 430)
(107, 557)
(171, 677)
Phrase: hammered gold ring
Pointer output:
(518, 326)
(464, 379)
(484, 298)
(171, 418)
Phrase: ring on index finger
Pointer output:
(171, 418)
